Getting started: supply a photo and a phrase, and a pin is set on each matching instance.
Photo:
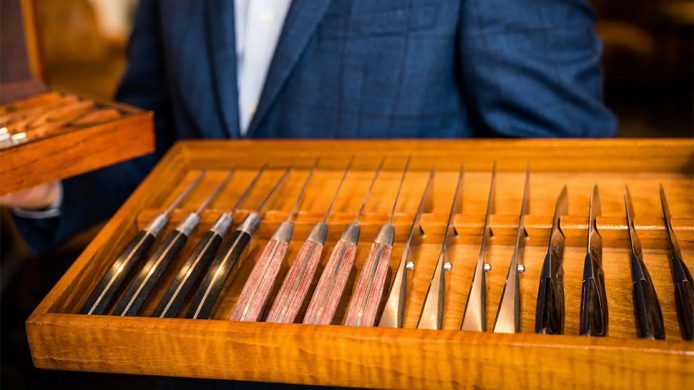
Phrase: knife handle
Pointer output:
(549, 313)
(368, 293)
(211, 286)
(142, 286)
(174, 297)
(649, 317)
(549, 317)
(254, 296)
(594, 313)
(684, 297)
(296, 284)
(326, 297)
(100, 299)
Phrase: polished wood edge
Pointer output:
(677, 347)
(270, 349)
(406, 144)
(544, 154)
(21, 168)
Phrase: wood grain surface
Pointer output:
(401, 358)
(59, 152)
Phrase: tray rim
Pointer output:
(43, 325)
(248, 342)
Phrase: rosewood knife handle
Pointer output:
(367, 296)
(256, 291)
(174, 297)
(326, 297)
(100, 299)
(295, 286)
(142, 286)
(211, 286)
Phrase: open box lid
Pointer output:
(21, 68)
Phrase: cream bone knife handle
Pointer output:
(256, 291)
(368, 294)
(326, 297)
(142, 286)
(296, 284)
(206, 295)
(100, 299)
(174, 297)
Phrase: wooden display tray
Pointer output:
(402, 358)
(74, 149)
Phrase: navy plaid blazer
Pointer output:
(353, 69)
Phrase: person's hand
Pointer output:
(34, 198)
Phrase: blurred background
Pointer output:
(647, 56)
(648, 67)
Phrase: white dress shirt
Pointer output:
(258, 27)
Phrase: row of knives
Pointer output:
(198, 283)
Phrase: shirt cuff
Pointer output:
(52, 211)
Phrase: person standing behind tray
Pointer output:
(338, 69)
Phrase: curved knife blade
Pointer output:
(594, 313)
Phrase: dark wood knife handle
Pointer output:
(105, 291)
(211, 286)
(142, 286)
(174, 297)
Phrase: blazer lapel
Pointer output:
(223, 60)
(301, 21)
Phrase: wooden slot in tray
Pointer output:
(401, 358)
(71, 148)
